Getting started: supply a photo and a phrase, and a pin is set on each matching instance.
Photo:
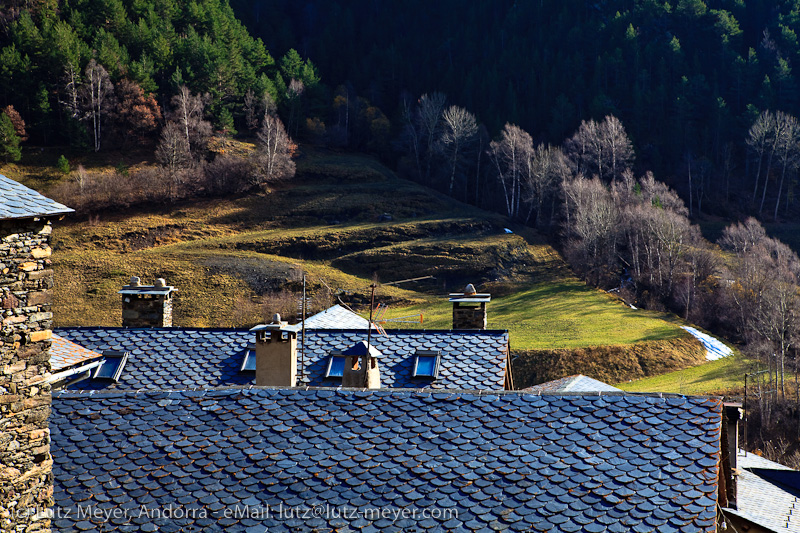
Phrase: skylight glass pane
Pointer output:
(249, 363)
(335, 367)
(426, 366)
(107, 369)
(112, 366)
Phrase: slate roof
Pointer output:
(65, 353)
(335, 317)
(18, 201)
(185, 358)
(768, 493)
(483, 461)
(576, 383)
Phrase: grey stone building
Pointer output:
(26, 478)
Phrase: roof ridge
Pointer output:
(386, 390)
(322, 330)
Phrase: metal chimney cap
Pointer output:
(135, 281)
(469, 290)
(160, 283)
(276, 318)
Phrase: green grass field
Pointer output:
(559, 314)
(714, 377)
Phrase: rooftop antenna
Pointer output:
(373, 286)
(303, 328)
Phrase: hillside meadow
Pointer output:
(346, 222)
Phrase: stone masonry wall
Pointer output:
(146, 311)
(469, 318)
(26, 478)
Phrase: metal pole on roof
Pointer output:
(303, 330)
(744, 404)
(369, 330)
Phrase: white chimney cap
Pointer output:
(135, 281)
(469, 290)
(160, 283)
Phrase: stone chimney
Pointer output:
(469, 308)
(276, 354)
(146, 306)
(360, 370)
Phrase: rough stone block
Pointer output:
(37, 336)
(38, 317)
(41, 253)
(14, 320)
(40, 298)
(10, 302)
(40, 274)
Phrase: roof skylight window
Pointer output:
(426, 364)
(335, 366)
(112, 365)
(249, 361)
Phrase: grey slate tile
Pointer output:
(540, 489)
(163, 358)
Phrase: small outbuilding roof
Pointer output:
(335, 317)
(767, 493)
(576, 383)
(18, 201)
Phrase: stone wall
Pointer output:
(466, 317)
(26, 479)
(146, 311)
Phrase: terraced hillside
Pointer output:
(233, 260)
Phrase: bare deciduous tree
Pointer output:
(764, 288)
(429, 122)
(294, 94)
(459, 131)
(510, 156)
(275, 150)
(189, 112)
(602, 148)
(741, 237)
(173, 155)
(758, 142)
(618, 147)
(771, 135)
(592, 229)
(72, 83)
(96, 99)
(788, 150)
(547, 169)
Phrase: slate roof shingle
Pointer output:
(576, 383)
(334, 317)
(768, 493)
(18, 201)
(65, 353)
(185, 358)
(497, 461)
